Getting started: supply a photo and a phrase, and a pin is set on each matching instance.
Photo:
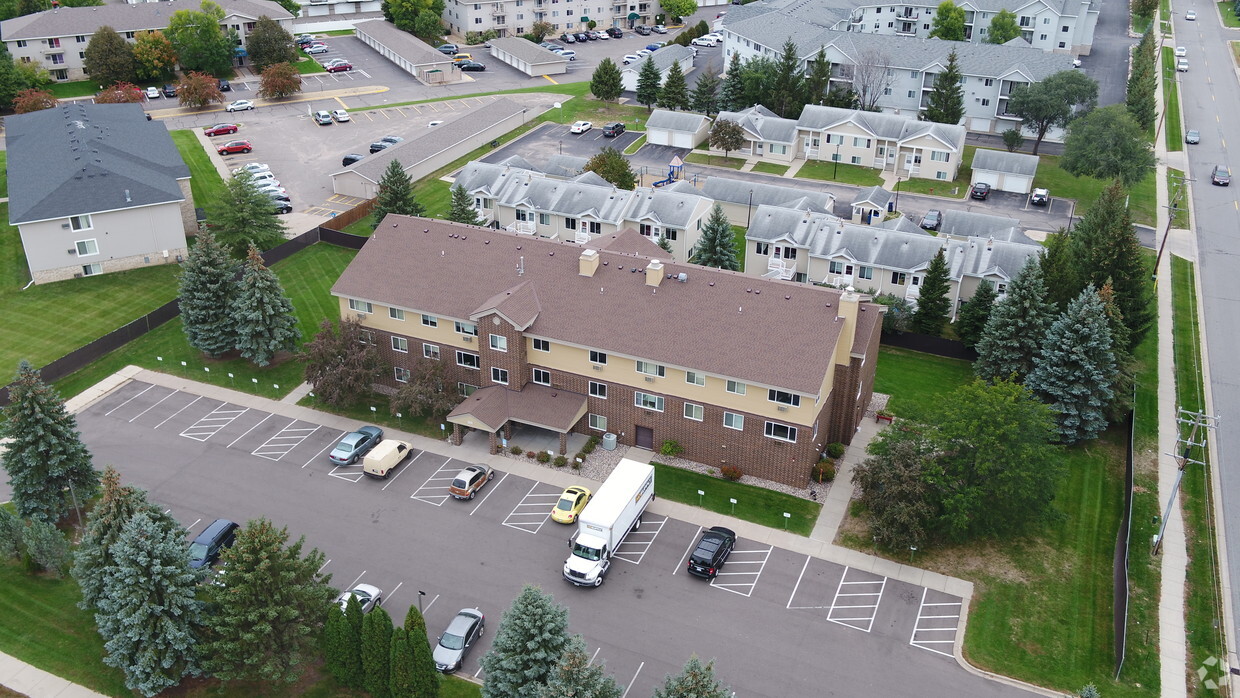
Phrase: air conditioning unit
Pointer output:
(596, 367)
(649, 379)
(782, 408)
(71, 251)
(77, 275)
(469, 338)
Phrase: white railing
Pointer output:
(522, 227)
(582, 237)
(842, 282)
(912, 293)
(784, 270)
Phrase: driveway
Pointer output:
(1108, 60)
(549, 139)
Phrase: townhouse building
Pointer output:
(515, 17)
(609, 338)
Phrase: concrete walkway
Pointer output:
(18, 676)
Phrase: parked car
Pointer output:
(712, 552)
(1040, 197)
(569, 54)
(706, 41)
(153, 93)
(355, 444)
(572, 501)
(460, 57)
(392, 140)
(339, 67)
(642, 53)
(225, 86)
(265, 179)
(654, 47)
(239, 105)
(304, 39)
(316, 49)
(368, 597)
(207, 546)
(471, 479)
(1181, 65)
(322, 118)
(582, 37)
(568, 39)
(580, 127)
(447, 49)
(385, 457)
(252, 168)
(464, 630)
(642, 30)
(659, 29)
(219, 129)
(613, 130)
(351, 158)
(1180, 52)
(170, 90)
(275, 193)
(282, 206)
(979, 190)
(615, 32)
(1193, 137)
(601, 35)
(932, 220)
(1191, 15)
(379, 145)
(471, 66)
(631, 58)
(334, 61)
(1221, 175)
(232, 147)
(340, 115)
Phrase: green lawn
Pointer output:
(915, 381)
(376, 410)
(770, 168)
(309, 66)
(716, 160)
(840, 172)
(205, 183)
(68, 90)
(4, 177)
(756, 504)
(1173, 132)
(635, 145)
(337, 32)
(13, 271)
(738, 239)
(364, 226)
(1085, 190)
(1225, 11)
(957, 188)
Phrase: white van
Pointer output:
(381, 460)
(569, 54)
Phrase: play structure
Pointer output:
(674, 172)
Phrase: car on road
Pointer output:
(659, 29)
(252, 168)
(447, 49)
(232, 147)
(1191, 15)
(225, 86)
(1181, 65)
(153, 93)
(323, 118)
(642, 29)
(340, 67)
(932, 220)
(315, 49)
(631, 58)
(471, 479)
(613, 130)
(464, 630)
(170, 90)
(368, 596)
(207, 546)
(471, 66)
(571, 502)
(707, 41)
(239, 105)
(980, 190)
(219, 129)
(712, 552)
(1221, 175)
(1192, 137)
(1180, 52)
(580, 127)
(355, 444)
(1040, 197)
(340, 115)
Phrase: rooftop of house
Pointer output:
(754, 193)
(1003, 161)
(526, 51)
(83, 21)
(401, 42)
(762, 124)
(687, 122)
(894, 127)
(875, 196)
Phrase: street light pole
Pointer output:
(897, 192)
(836, 170)
(749, 213)
(420, 595)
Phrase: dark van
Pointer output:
(206, 548)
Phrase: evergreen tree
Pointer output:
(705, 97)
(264, 623)
(1143, 82)
(818, 82)
(947, 98)
(1074, 370)
(971, 320)
(675, 93)
(351, 660)
(531, 637)
(263, 316)
(665, 244)
(109, 58)
(788, 87)
(1125, 379)
(575, 677)
(732, 93)
(462, 208)
(377, 653)
(116, 506)
(1016, 328)
(715, 247)
(46, 547)
(336, 645)
(1059, 270)
(648, 84)
(396, 195)
(208, 287)
(244, 216)
(933, 303)
(424, 677)
(401, 660)
(46, 454)
(606, 83)
(10, 535)
(149, 611)
(696, 680)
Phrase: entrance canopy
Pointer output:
(537, 405)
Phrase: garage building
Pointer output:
(1005, 171)
(663, 60)
(408, 52)
(528, 57)
(676, 128)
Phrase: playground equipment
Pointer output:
(674, 172)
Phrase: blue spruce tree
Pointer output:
(1076, 368)
(263, 316)
(1016, 328)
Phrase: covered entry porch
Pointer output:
(494, 410)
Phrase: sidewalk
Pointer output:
(36, 683)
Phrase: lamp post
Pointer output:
(836, 170)
(749, 212)
(897, 192)
(420, 595)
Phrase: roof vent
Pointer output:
(682, 277)
(787, 298)
(128, 199)
(757, 292)
(550, 254)
(425, 230)
(711, 283)
(749, 290)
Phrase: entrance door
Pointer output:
(645, 438)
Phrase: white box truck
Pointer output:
(615, 510)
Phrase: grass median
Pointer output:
(1173, 132)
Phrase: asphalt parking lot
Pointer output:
(775, 619)
(540, 144)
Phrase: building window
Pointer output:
(499, 342)
(733, 420)
(58, 59)
(430, 351)
(87, 247)
(651, 369)
(736, 387)
(499, 375)
(598, 357)
(1001, 289)
(542, 377)
(544, 219)
(670, 233)
(465, 328)
(402, 374)
(570, 223)
(1061, 44)
(365, 337)
(835, 267)
(400, 344)
(596, 228)
(430, 320)
(940, 156)
(856, 159)
(861, 142)
(645, 229)
(53, 43)
(92, 269)
(940, 175)
(865, 272)
(1065, 28)
(465, 389)
(695, 378)
(898, 278)
(598, 390)
(783, 398)
(988, 82)
(464, 358)
(598, 422)
(648, 402)
(542, 345)
(762, 248)
(80, 222)
(694, 412)
(360, 306)
(782, 432)
(396, 314)
(776, 149)
(985, 102)
(21, 44)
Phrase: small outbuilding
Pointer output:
(871, 205)
(1005, 171)
(676, 128)
(528, 57)
(663, 60)
(407, 52)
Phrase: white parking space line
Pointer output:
(638, 542)
(177, 412)
(247, 431)
(401, 470)
(798, 585)
(191, 526)
(392, 593)
(135, 397)
(533, 510)
(161, 400)
(435, 489)
(351, 473)
(856, 603)
(325, 564)
(692, 544)
(630, 686)
(284, 441)
(936, 625)
(211, 424)
(329, 445)
(740, 576)
(594, 656)
(355, 581)
(432, 603)
(490, 489)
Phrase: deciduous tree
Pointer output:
(244, 216)
(696, 680)
(153, 55)
(897, 490)
(198, 90)
(606, 82)
(1074, 371)
(531, 638)
(726, 135)
(208, 286)
(948, 22)
(279, 80)
(396, 194)
(1017, 325)
(933, 303)
(120, 93)
(1108, 143)
(1013, 139)
(715, 247)
(262, 314)
(871, 76)
(675, 93)
(461, 209)
(268, 44)
(109, 58)
(576, 677)
(649, 82)
(27, 101)
(611, 165)
(200, 43)
(340, 364)
(540, 31)
(971, 320)
(679, 8)
(1003, 27)
(946, 104)
(1053, 102)
(428, 391)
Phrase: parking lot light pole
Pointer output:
(420, 595)
(836, 170)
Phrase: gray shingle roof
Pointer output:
(85, 158)
(892, 127)
(83, 21)
(737, 191)
(772, 223)
(1003, 161)
(662, 59)
(762, 124)
(687, 122)
(564, 165)
(526, 51)
(402, 43)
(875, 195)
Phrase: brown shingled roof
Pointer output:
(519, 305)
(768, 332)
(549, 408)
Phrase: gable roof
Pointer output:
(684, 121)
(762, 124)
(402, 43)
(875, 195)
(662, 59)
(974, 223)
(525, 51)
(736, 191)
(83, 21)
(1003, 161)
(85, 158)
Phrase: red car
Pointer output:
(339, 68)
(220, 129)
(235, 147)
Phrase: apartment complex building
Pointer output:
(606, 337)
(515, 17)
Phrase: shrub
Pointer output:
(835, 450)
(671, 448)
(560, 461)
(580, 456)
(47, 547)
(591, 443)
(731, 472)
(531, 454)
(576, 465)
(515, 450)
(823, 471)
(544, 457)
(11, 529)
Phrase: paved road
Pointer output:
(1108, 61)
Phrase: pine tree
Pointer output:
(675, 93)
(946, 104)
(788, 87)
(696, 680)
(462, 210)
(665, 244)
(208, 287)
(148, 612)
(575, 677)
(531, 637)
(401, 660)
(244, 216)
(336, 645)
(971, 320)
(10, 535)
(705, 96)
(116, 506)
(1059, 270)
(1074, 370)
(606, 82)
(262, 315)
(648, 84)
(424, 676)
(377, 653)
(265, 622)
(732, 93)
(351, 660)
(715, 247)
(46, 454)
(1124, 382)
(396, 195)
(1016, 328)
(933, 303)
(46, 547)
(818, 82)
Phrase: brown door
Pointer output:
(645, 437)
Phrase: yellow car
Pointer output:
(570, 505)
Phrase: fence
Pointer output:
(938, 346)
(1120, 564)
(340, 221)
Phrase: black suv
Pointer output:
(711, 552)
(206, 548)
(613, 130)
(582, 37)
(981, 190)
(170, 90)
(224, 86)
(615, 32)
(932, 220)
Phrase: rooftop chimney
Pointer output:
(587, 264)
(654, 272)
(846, 314)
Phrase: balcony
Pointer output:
(781, 268)
(522, 228)
(841, 281)
(581, 237)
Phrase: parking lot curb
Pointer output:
(300, 98)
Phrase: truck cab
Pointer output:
(614, 510)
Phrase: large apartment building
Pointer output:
(515, 17)
(607, 338)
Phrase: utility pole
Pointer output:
(1172, 209)
(1198, 423)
